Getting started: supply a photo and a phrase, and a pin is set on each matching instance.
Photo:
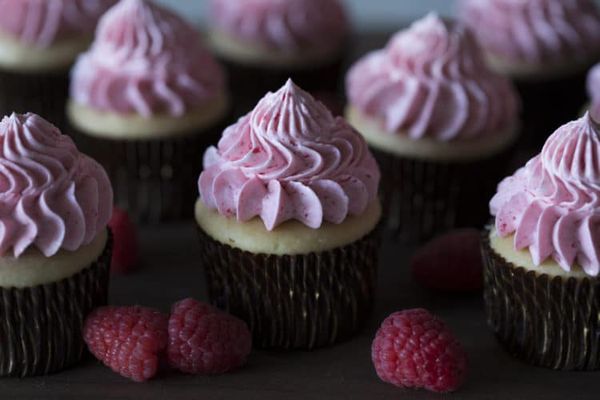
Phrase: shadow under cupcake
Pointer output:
(287, 217)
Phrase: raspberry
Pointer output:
(451, 262)
(415, 349)
(127, 339)
(125, 244)
(205, 340)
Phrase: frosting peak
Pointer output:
(287, 26)
(139, 33)
(290, 158)
(51, 196)
(431, 81)
(573, 153)
(146, 60)
(290, 115)
(427, 42)
(552, 204)
(536, 31)
(43, 23)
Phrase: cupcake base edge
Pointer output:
(41, 326)
(302, 301)
(547, 321)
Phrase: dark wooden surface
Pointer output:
(171, 272)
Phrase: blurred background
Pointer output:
(367, 14)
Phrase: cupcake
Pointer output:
(55, 247)
(264, 42)
(439, 121)
(146, 100)
(287, 217)
(39, 41)
(542, 256)
(546, 47)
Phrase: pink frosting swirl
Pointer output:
(552, 204)
(290, 158)
(52, 197)
(146, 60)
(44, 22)
(286, 25)
(431, 81)
(535, 31)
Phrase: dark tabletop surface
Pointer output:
(171, 272)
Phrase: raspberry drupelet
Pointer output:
(415, 349)
(206, 340)
(129, 340)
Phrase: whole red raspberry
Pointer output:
(125, 255)
(205, 340)
(451, 262)
(415, 349)
(127, 339)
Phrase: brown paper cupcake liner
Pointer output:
(296, 301)
(249, 84)
(42, 93)
(41, 326)
(551, 322)
(154, 180)
(423, 198)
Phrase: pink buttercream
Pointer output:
(431, 81)
(552, 204)
(44, 22)
(290, 158)
(286, 25)
(146, 60)
(52, 197)
(536, 31)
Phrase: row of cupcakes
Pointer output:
(290, 192)
(287, 215)
(147, 97)
(280, 172)
(272, 40)
(536, 43)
